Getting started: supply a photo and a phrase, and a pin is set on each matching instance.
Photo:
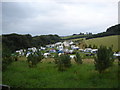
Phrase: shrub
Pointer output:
(78, 58)
(104, 58)
(64, 61)
(56, 58)
(34, 58)
(7, 59)
(94, 46)
(119, 60)
(90, 46)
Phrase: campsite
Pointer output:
(52, 44)
(46, 74)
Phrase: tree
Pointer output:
(56, 58)
(90, 46)
(104, 58)
(94, 46)
(64, 61)
(7, 59)
(17, 41)
(118, 60)
(78, 58)
(34, 58)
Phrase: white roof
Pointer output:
(72, 56)
(46, 54)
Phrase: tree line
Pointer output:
(113, 30)
(15, 41)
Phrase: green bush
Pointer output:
(34, 58)
(94, 46)
(7, 59)
(56, 58)
(64, 61)
(78, 58)
(104, 59)
(119, 60)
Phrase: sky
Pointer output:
(62, 17)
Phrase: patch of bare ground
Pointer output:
(46, 60)
(88, 61)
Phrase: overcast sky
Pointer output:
(62, 17)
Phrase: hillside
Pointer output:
(113, 30)
(74, 37)
(107, 41)
(14, 41)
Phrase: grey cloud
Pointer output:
(55, 18)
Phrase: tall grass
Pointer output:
(46, 75)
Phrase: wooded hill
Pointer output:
(113, 30)
(15, 41)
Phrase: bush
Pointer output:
(94, 46)
(78, 58)
(7, 59)
(64, 61)
(104, 59)
(90, 46)
(56, 58)
(34, 58)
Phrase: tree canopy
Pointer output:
(16, 41)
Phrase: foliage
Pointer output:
(34, 58)
(119, 60)
(78, 58)
(113, 30)
(64, 61)
(56, 58)
(18, 75)
(104, 59)
(6, 58)
(94, 46)
(90, 46)
(5, 62)
(17, 41)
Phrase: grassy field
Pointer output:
(46, 75)
(106, 41)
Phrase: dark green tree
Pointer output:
(64, 62)
(34, 59)
(78, 58)
(56, 58)
(90, 46)
(94, 46)
(7, 59)
(104, 59)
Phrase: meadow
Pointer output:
(46, 75)
(106, 41)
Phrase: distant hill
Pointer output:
(113, 30)
(16, 41)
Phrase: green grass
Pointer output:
(106, 41)
(46, 75)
